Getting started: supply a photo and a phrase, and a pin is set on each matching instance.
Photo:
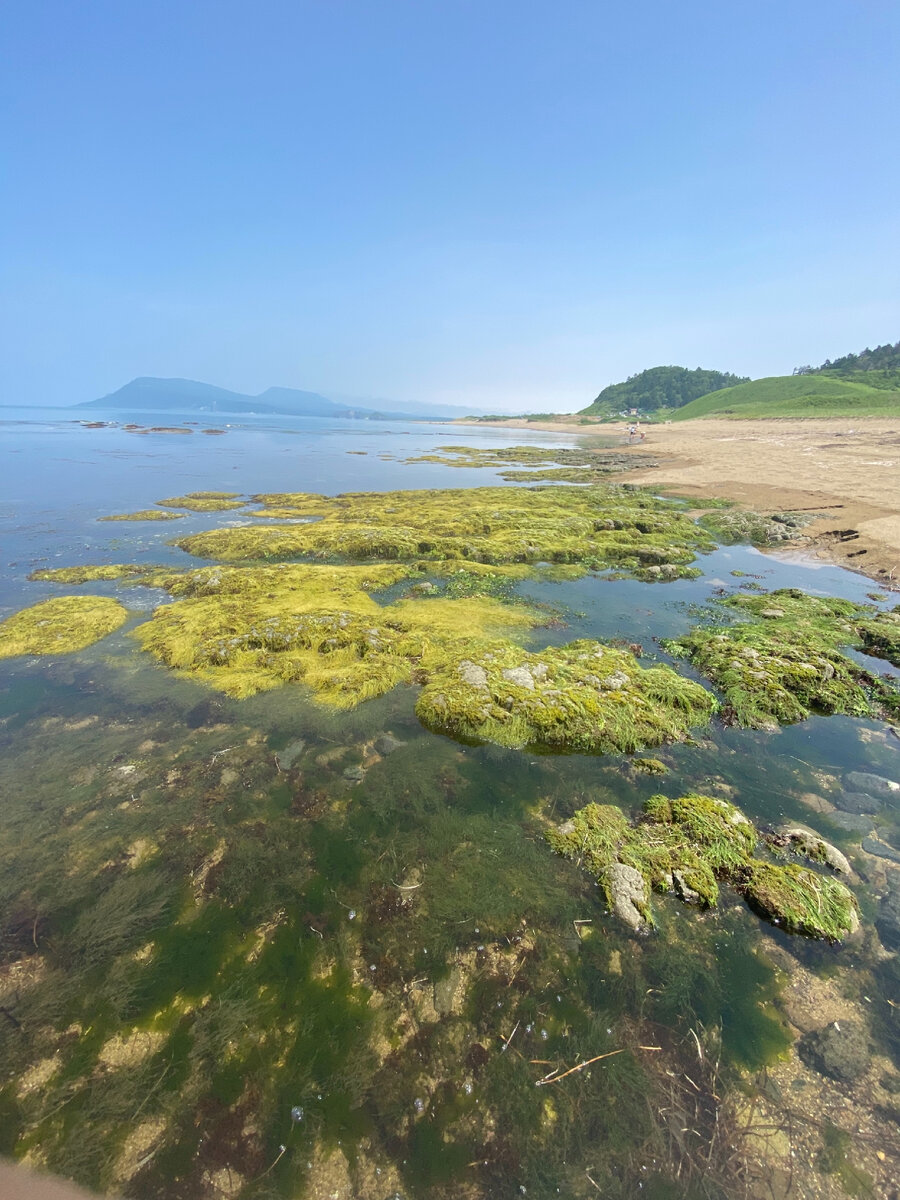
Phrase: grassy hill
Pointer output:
(658, 389)
(796, 396)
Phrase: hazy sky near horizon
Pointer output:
(462, 201)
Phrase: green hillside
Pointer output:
(658, 388)
(795, 396)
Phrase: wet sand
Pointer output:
(847, 469)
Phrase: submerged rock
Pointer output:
(888, 920)
(872, 785)
(386, 744)
(286, 758)
(840, 1050)
(880, 849)
(851, 822)
(858, 802)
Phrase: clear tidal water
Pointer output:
(245, 952)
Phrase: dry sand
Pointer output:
(847, 469)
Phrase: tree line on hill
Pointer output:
(660, 387)
(882, 358)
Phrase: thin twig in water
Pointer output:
(577, 1067)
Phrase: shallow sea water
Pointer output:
(246, 952)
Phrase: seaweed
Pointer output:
(204, 501)
(785, 659)
(145, 514)
(687, 846)
(61, 625)
(594, 527)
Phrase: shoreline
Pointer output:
(846, 468)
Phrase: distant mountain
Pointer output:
(659, 387)
(149, 394)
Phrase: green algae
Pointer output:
(90, 574)
(732, 525)
(145, 514)
(61, 625)
(687, 846)
(204, 501)
(800, 900)
(785, 659)
(245, 630)
(597, 528)
(583, 696)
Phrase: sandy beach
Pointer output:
(849, 470)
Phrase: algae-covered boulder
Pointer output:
(60, 625)
(687, 846)
(800, 900)
(785, 659)
(583, 696)
(808, 843)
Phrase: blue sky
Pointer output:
(467, 201)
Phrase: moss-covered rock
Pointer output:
(785, 659)
(60, 625)
(687, 846)
(800, 900)
(584, 696)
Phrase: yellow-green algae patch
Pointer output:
(145, 514)
(687, 846)
(584, 696)
(245, 630)
(576, 464)
(204, 501)
(88, 574)
(60, 625)
(596, 527)
(785, 659)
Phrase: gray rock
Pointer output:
(888, 920)
(628, 894)
(683, 890)
(840, 1050)
(354, 774)
(386, 744)
(472, 674)
(852, 822)
(873, 785)
(807, 842)
(771, 613)
(520, 676)
(286, 758)
(448, 991)
(858, 802)
(880, 849)
(614, 682)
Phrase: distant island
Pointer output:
(150, 394)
